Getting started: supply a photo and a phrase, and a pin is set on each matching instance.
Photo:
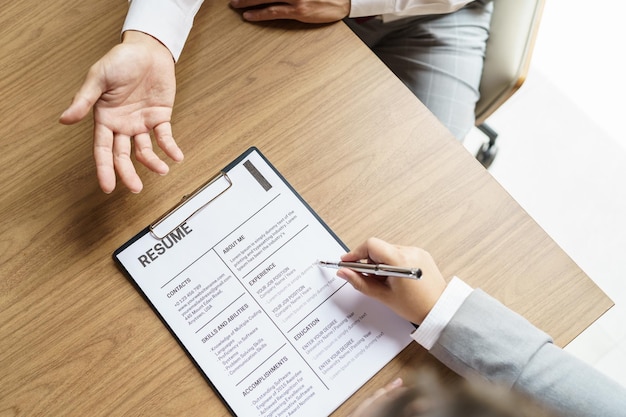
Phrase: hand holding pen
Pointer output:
(411, 299)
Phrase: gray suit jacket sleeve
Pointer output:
(485, 338)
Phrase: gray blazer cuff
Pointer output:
(485, 338)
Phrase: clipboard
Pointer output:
(231, 271)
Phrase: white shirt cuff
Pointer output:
(361, 8)
(404, 8)
(446, 307)
(169, 21)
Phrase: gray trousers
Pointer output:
(439, 57)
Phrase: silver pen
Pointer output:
(375, 269)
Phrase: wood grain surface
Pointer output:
(76, 339)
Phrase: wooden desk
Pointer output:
(77, 339)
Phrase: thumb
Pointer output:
(84, 99)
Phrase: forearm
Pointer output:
(569, 385)
(169, 21)
(485, 338)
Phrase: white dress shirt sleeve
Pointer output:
(169, 21)
(359, 8)
(448, 304)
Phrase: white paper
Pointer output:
(239, 286)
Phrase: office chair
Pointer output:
(514, 27)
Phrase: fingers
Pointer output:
(112, 153)
(243, 4)
(355, 279)
(163, 135)
(103, 155)
(86, 97)
(308, 11)
(357, 253)
(374, 287)
(274, 12)
(373, 248)
(145, 154)
(411, 299)
(396, 383)
(271, 10)
(367, 408)
(384, 390)
(124, 165)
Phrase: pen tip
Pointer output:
(327, 264)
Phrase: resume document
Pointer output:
(233, 274)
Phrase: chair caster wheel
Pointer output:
(486, 154)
